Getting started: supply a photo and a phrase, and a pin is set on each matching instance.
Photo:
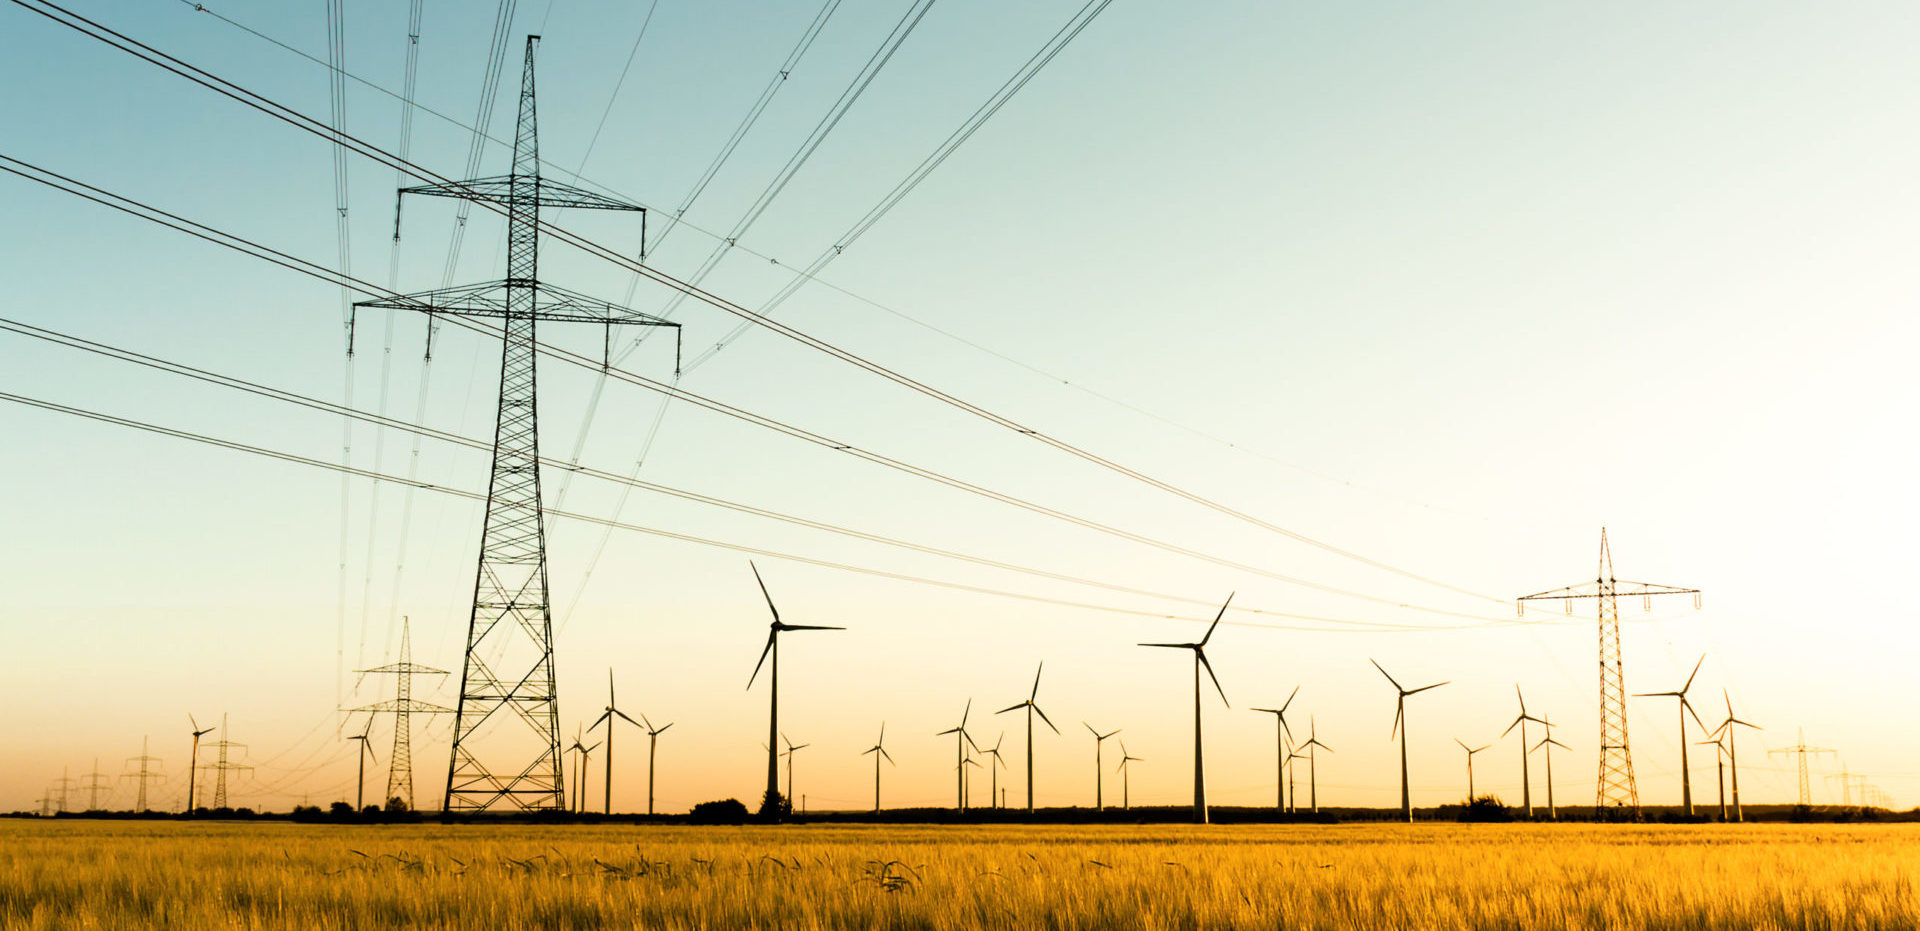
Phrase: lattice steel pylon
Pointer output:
(403, 706)
(1800, 751)
(1615, 788)
(506, 733)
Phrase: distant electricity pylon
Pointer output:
(1800, 751)
(95, 783)
(140, 778)
(402, 706)
(223, 766)
(506, 732)
(65, 783)
(1615, 788)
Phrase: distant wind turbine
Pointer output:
(1098, 739)
(774, 630)
(1199, 649)
(1547, 744)
(1526, 778)
(360, 781)
(993, 771)
(1400, 730)
(879, 751)
(1719, 745)
(1313, 746)
(607, 717)
(193, 761)
(1686, 708)
(960, 741)
(1733, 757)
(1032, 709)
(1281, 733)
(1126, 781)
(580, 775)
(1470, 752)
(653, 743)
(792, 748)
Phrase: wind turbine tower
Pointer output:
(774, 630)
(1126, 780)
(653, 743)
(960, 741)
(1546, 745)
(1032, 709)
(402, 706)
(879, 751)
(1098, 771)
(1615, 788)
(193, 759)
(1800, 750)
(996, 798)
(1733, 755)
(1280, 749)
(360, 758)
(1526, 777)
(792, 748)
(1313, 746)
(506, 731)
(1199, 649)
(1400, 731)
(608, 717)
(1470, 752)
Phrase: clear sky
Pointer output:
(1447, 285)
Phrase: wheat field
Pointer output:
(105, 874)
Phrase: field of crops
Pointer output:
(104, 874)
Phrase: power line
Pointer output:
(285, 260)
(419, 430)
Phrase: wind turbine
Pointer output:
(1400, 730)
(653, 740)
(1526, 778)
(193, 761)
(788, 753)
(1686, 708)
(1126, 780)
(993, 771)
(1733, 758)
(878, 750)
(774, 630)
(1292, 771)
(1547, 744)
(1098, 739)
(1719, 770)
(1470, 752)
(1280, 752)
(1032, 709)
(1200, 661)
(1313, 746)
(360, 781)
(960, 741)
(607, 717)
(580, 776)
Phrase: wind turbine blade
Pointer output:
(604, 716)
(808, 627)
(963, 716)
(1463, 745)
(1510, 727)
(663, 730)
(969, 739)
(950, 730)
(1043, 717)
(1216, 619)
(1202, 656)
(610, 701)
(196, 724)
(763, 591)
(1433, 686)
(1696, 671)
(763, 657)
(1011, 708)
(623, 717)
(1383, 671)
(1036, 681)
(889, 756)
(1181, 646)
(1399, 709)
(1289, 702)
(1696, 715)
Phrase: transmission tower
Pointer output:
(403, 707)
(506, 732)
(1800, 750)
(223, 767)
(140, 778)
(65, 784)
(1615, 788)
(96, 782)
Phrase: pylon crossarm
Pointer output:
(1620, 589)
(498, 189)
(410, 705)
(491, 299)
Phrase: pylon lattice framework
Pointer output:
(1615, 787)
(402, 706)
(513, 757)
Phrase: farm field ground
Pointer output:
(127, 874)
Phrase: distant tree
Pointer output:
(774, 807)
(340, 809)
(1486, 808)
(396, 805)
(724, 811)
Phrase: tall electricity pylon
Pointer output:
(402, 706)
(95, 783)
(506, 732)
(1615, 788)
(1800, 750)
(140, 778)
(223, 767)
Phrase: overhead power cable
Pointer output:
(419, 430)
(135, 208)
(297, 459)
(295, 118)
(337, 107)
